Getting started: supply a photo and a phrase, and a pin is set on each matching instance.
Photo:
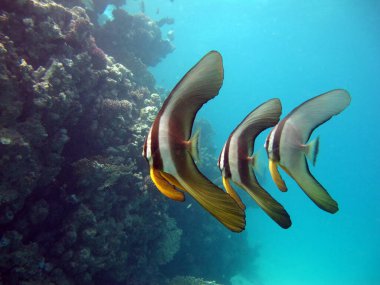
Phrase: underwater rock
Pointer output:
(77, 205)
(190, 280)
(19, 173)
(170, 243)
(142, 39)
(165, 21)
(70, 156)
(137, 46)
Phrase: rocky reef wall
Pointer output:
(76, 101)
(75, 206)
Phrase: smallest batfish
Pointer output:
(287, 144)
(170, 151)
(237, 160)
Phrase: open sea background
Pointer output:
(295, 50)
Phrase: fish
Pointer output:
(237, 160)
(287, 145)
(171, 151)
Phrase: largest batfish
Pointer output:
(287, 144)
(170, 150)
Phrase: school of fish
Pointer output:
(171, 150)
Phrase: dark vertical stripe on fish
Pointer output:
(277, 140)
(242, 162)
(227, 170)
(176, 143)
(145, 146)
(155, 146)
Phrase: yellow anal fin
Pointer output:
(231, 191)
(276, 176)
(172, 180)
(165, 187)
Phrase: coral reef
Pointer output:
(190, 280)
(72, 123)
(134, 41)
(76, 203)
(142, 39)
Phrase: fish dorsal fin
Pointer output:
(198, 86)
(318, 110)
(261, 118)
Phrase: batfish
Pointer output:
(287, 144)
(237, 160)
(170, 151)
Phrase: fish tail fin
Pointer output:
(312, 149)
(194, 145)
(270, 206)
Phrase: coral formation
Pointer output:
(190, 280)
(76, 203)
(141, 41)
(138, 46)
(72, 123)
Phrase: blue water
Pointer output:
(295, 50)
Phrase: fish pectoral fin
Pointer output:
(172, 180)
(193, 146)
(311, 150)
(253, 161)
(165, 187)
(257, 163)
(231, 191)
(276, 176)
(301, 174)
